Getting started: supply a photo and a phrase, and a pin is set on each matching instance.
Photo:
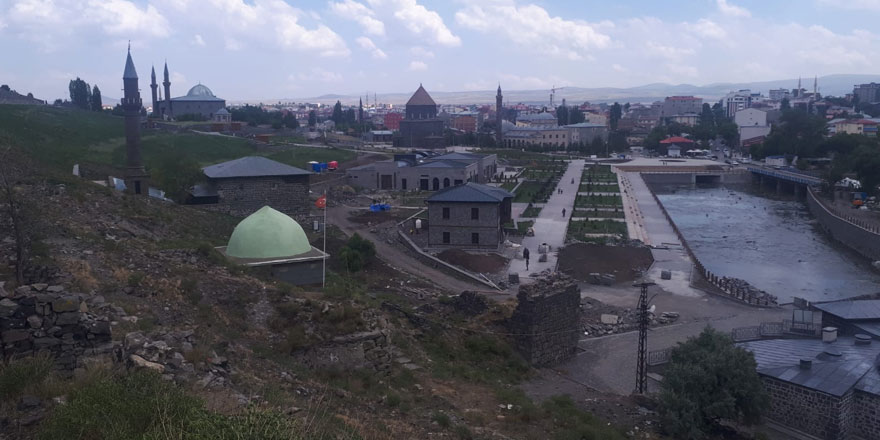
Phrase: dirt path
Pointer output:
(396, 257)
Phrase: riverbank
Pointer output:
(859, 235)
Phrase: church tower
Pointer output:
(499, 135)
(155, 88)
(167, 84)
(135, 176)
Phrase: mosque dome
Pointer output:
(200, 90)
(268, 233)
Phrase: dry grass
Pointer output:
(83, 278)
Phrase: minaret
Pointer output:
(815, 86)
(135, 176)
(361, 110)
(167, 84)
(499, 135)
(155, 88)
(798, 95)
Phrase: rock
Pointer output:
(609, 319)
(100, 328)
(28, 401)
(10, 336)
(138, 362)
(7, 307)
(176, 360)
(65, 304)
(665, 275)
(219, 361)
(39, 287)
(186, 347)
(35, 321)
(83, 307)
(55, 289)
(134, 340)
(69, 318)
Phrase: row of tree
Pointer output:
(84, 96)
(254, 115)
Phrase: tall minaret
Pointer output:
(499, 135)
(815, 86)
(155, 88)
(167, 84)
(135, 176)
(361, 110)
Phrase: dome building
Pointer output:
(272, 241)
(199, 102)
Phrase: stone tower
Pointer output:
(360, 110)
(135, 176)
(499, 135)
(167, 84)
(155, 88)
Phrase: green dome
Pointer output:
(267, 233)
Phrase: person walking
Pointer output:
(563, 212)
(526, 256)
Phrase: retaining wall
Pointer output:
(854, 233)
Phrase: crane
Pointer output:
(553, 94)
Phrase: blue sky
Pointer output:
(265, 49)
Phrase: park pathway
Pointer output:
(550, 226)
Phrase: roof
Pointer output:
(268, 233)
(676, 140)
(222, 111)
(251, 166)
(685, 98)
(470, 192)
(442, 164)
(460, 156)
(586, 125)
(543, 116)
(421, 97)
(129, 73)
(858, 309)
(837, 366)
(198, 92)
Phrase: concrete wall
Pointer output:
(545, 321)
(244, 196)
(667, 179)
(460, 226)
(861, 240)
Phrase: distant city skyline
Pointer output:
(270, 49)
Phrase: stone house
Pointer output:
(828, 390)
(409, 172)
(468, 216)
(242, 186)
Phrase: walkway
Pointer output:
(550, 226)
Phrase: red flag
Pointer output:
(321, 203)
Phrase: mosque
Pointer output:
(272, 241)
(199, 101)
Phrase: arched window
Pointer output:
(446, 182)
(436, 183)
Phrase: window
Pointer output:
(445, 213)
(475, 213)
(475, 238)
(445, 238)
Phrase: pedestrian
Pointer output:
(526, 256)
(563, 212)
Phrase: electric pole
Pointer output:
(642, 362)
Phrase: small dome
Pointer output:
(200, 90)
(268, 233)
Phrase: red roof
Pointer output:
(676, 140)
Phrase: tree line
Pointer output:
(83, 96)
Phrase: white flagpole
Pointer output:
(324, 267)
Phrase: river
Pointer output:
(773, 243)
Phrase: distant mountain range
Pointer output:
(835, 85)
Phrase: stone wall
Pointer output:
(866, 415)
(809, 411)
(854, 236)
(242, 197)
(40, 318)
(460, 226)
(364, 350)
(545, 322)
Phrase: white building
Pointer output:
(736, 101)
(750, 117)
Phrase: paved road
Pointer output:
(550, 226)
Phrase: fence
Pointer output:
(741, 334)
(732, 287)
(849, 219)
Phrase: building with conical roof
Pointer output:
(135, 175)
(270, 240)
(198, 103)
(420, 128)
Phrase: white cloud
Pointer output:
(367, 44)
(352, 10)
(318, 74)
(121, 17)
(422, 21)
(421, 52)
(233, 44)
(732, 10)
(417, 66)
(618, 68)
(669, 52)
(707, 29)
(198, 40)
(532, 28)
(178, 78)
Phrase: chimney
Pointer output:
(806, 364)
(829, 334)
(863, 339)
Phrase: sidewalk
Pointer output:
(550, 226)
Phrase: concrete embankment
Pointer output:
(855, 234)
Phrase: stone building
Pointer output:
(468, 216)
(242, 186)
(272, 241)
(851, 317)
(199, 102)
(420, 128)
(417, 171)
(828, 390)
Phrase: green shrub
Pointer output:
(357, 253)
(21, 374)
(463, 432)
(575, 424)
(442, 419)
(135, 279)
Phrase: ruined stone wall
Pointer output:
(364, 350)
(809, 411)
(242, 197)
(40, 318)
(866, 419)
(545, 322)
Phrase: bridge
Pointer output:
(790, 176)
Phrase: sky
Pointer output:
(273, 49)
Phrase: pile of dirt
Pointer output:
(482, 263)
(624, 262)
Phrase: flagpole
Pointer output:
(324, 267)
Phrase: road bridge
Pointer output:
(784, 178)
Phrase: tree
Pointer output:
(80, 93)
(313, 118)
(709, 379)
(175, 173)
(576, 116)
(561, 115)
(785, 104)
(357, 253)
(337, 116)
(616, 113)
(866, 164)
(95, 101)
(707, 117)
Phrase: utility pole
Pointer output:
(642, 361)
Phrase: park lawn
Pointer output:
(527, 191)
(300, 156)
(531, 212)
(579, 227)
(586, 187)
(594, 200)
(597, 214)
(523, 226)
(508, 186)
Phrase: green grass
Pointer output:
(531, 192)
(531, 211)
(576, 228)
(594, 200)
(598, 214)
(523, 227)
(300, 156)
(476, 358)
(18, 376)
(508, 185)
(586, 187)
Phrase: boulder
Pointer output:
(138, 362)
(65, 304)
